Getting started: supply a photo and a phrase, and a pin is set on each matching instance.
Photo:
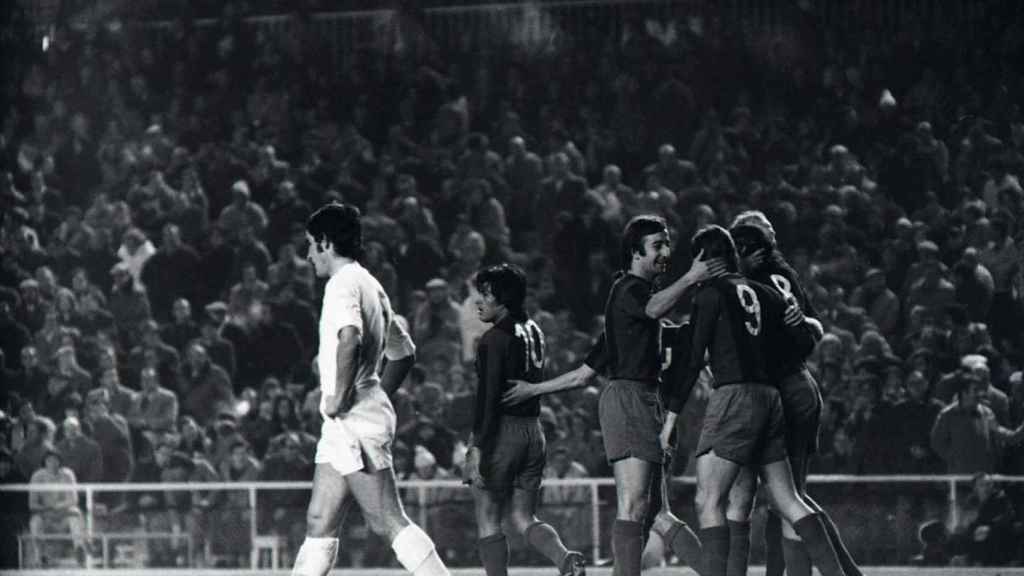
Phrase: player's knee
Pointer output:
(633, 506)
(708, 498)
(318, 523)
(521, 520)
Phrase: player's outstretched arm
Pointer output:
(520, 390)
(344, 395)
(662, 301)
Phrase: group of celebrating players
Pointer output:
(749, 321)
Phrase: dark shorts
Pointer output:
(518, 457)
(631, 417)
(744, 424)
(801, 405)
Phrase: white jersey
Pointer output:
(353, 297)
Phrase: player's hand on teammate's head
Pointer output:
(518, 392)
(794, 315)
(757, 258)
(701, 269)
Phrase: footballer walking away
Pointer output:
(353, 456)
(507, 455)
(741, 322)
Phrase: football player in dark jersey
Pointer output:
(760, 260)
(630, 409)
(742, 325)
(505, 463)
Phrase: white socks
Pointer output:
(415, 552)
(316, 557)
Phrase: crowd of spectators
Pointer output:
(158, 316)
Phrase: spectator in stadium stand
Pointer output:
(258, 427)
(15, 510)
(129, 304)
(917, 414)
(881, 304)
(988, 540)
(14, 335)
(79, 452)
(111, 433)
(91, 317)
(562, 191)
(134, 251)
(152, 351)
(286, 209)
(220, 349)
(182, 329)
(291, 268)
(31, 309)
(54, 511)
(1002, 256)
(217, 264)
(282, 511)
(68, 380)
(40, 432)
(615, 197)
(274, 346)
(435, 325)
(206, 388)
(487, 215)
(242, 212)
(250, 250)
(248, 291)
(288, 307)
(156, 411)
(974, 285)
(240, 466)
(28, 382)
(174, 268)
(966, 434)
(523, 174)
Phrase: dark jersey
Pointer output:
(632, 338)
(509, 350)
(779, 275)
(740, 322)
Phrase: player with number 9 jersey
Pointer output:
(741, 323)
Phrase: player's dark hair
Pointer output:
(338, 224)
(634, 233)
(507, 284)
(716, 242)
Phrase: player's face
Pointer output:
(317, 255)
(488, 308)
(656, 254)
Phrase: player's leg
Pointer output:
(737, 514)
(328, 506)
(715, 476)
(376, 492)
(632, 492)
(672, 531)
(846, 560)
(808, 526)
(492, 545)
(540, 535)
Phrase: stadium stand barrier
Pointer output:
(880, 514)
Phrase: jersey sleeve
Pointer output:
(704, 316)
(597, 358)
(398, 343)
(633, 300)
(342, 306)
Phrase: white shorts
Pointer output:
(361, 438)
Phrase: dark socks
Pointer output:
(739, 548)
(811, 530)
(627, 546)
(715, 546)
(774, 561)
(845, 558)
(494, 554)
(544, 539)
(685, 545)
(798, 563)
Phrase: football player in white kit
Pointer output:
(353, 457)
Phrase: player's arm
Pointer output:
(401, 357)
(704, 317)
(662, 301)
(520, 391)
(493, 365)
(344, 394)
(802, 331)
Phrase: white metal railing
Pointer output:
(420, 488)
